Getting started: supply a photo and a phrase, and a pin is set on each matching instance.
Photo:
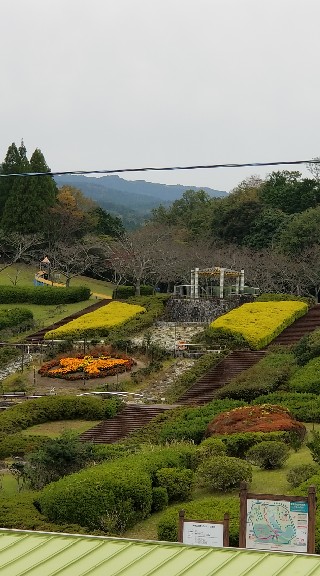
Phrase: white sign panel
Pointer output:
(203, 534)
(277, 525)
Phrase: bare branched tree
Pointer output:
(17, 247)
(74, 259)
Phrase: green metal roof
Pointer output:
(44, 554)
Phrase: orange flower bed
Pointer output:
(79, 367)
(265, 418)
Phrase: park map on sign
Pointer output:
(277, 525)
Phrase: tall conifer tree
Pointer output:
(15, 162)
(27, 205)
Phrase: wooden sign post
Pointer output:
(204, 532)
(277, 522)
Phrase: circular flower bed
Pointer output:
(265, 418)
(81, 366)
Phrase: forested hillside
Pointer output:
(131, 200)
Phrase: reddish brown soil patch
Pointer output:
(265, 418)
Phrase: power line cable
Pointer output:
(163, 169)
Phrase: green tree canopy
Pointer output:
(289, 192)
(301, 232)
(193, 211)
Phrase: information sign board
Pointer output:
(204, 532)
(277, 522)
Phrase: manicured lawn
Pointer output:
(54, 429)
(25, 277)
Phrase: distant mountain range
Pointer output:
(132, 200)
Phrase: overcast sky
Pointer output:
(105, 84)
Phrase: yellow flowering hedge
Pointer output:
(97, 323)
(259, 322)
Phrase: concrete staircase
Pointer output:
(204, 389)
(304, 325)
(131, 418)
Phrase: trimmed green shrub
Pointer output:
(112, 496)
(307, 348)
(19, 444)
(19, 511)
(314, 446)
(238, 444)
(16, 317)
(52, 408)
(307, 378)
(124, 292)
(301, 473)
(262, 378)
(304, 407)
(43, 294)
(224, 473)
(159, 499)
(189, 377)
(209, 508)
(210, 447)
(268, 455)
(178, 483)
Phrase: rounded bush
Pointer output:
(268, 455)
(301, 473)
(159, 498)
(177, 482)
(210, 447)
(224, 473)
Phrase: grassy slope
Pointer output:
(264, 481)
(47, 315)
(54, 429)
(26, 276)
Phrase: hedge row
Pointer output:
(307, 378)
(19, 511)
(304, 407)
(124, 292)
(264, 377)
(260, 322)
(98, 323)
(15, 317)
(19, 444)
(238, 444)
(307, 348)
(115, 495)
(44, 295)
(51, 408)
(188, 378)
(182, 423)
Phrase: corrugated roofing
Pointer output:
(44, 554)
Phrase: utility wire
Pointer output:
(163, 169)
